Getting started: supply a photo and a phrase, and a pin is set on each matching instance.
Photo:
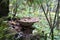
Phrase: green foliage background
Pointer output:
(26, 9)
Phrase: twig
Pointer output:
(56, 14)
(46, 15)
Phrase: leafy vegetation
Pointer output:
(35, 8)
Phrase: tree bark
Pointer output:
(4, 8)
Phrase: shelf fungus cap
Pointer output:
(27, 21)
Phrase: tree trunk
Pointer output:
(4, 8)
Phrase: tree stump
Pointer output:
(25, 27)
